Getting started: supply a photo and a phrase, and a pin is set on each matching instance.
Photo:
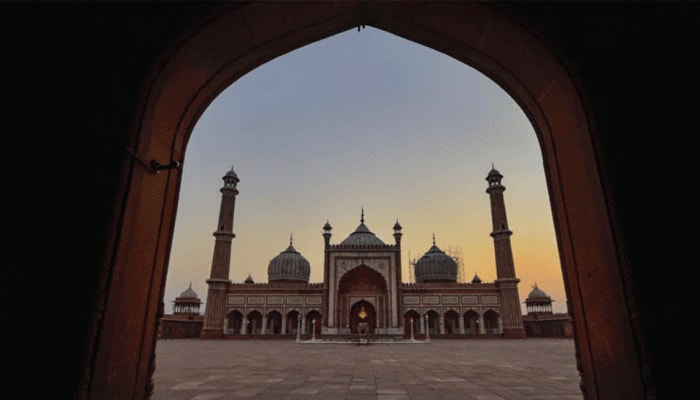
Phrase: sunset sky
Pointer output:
(363, 120)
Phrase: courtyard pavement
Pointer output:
(472, 369)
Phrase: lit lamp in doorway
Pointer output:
(427, 328)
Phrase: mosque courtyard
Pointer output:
(472, 369)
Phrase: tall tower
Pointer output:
(326, 269)
(218, 281)
(506, 281)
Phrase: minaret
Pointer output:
(399, 278)
(218, 281)
(506, 281)
(326, 272)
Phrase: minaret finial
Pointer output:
(433, 239)
(191, 284)
(362, 217)
(290, 239)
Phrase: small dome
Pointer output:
(476, 279)
(189, 293)
(537, 293)
(231, 174)
(436, 265)
(289, 265)
(249, 279)
(494, 172)
(494, 177)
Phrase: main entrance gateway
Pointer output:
(361, 297)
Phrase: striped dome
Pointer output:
(362, 236)
(289, 265)
(436, 265)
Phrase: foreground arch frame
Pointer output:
(235, 39)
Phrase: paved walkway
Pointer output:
(474, 369)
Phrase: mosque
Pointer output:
(363, 292)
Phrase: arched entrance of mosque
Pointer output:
(433, 322)
(234, 322)
(471, 322)
(411, 318)
(274, 323)
(363, 318)
(206, 57)
(451, 322)
(491, 322)
(313, 323)
(254, 323)
(293, 323)
(362, 299)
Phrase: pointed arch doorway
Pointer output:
(196, 67)
(362, 299)
(363, 318)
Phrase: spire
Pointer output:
(362, 216)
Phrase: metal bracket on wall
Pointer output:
(156, 166)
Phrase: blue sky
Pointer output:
(363, 120)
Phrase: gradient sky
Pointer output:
(364, 120)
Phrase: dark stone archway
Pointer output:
(365, 284)
(229, 40)
(411, 324)
(274, 323)
(235, 322)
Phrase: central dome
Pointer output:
(289, 265)
(362, 236)
(436, 266)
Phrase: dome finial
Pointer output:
(290, 239)
(362, 216)
(433, 239)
